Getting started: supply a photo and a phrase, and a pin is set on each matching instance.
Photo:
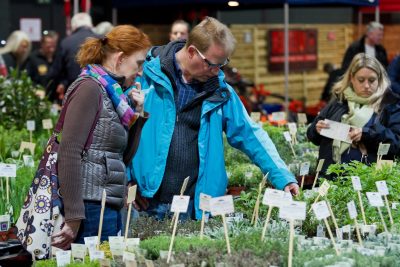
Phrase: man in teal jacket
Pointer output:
(191, 106)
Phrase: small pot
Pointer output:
(235, 190)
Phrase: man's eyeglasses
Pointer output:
(212, 65)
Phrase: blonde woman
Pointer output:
(358, 102)
(16, 51)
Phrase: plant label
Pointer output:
(275, 198)
(222, 205)
(131, 194)
(337, 131)
(15, 153)
(4, 222)
(295, 210)
(78, 251)
(339, 234)
(27, 145)
(255, 116)
(351, 207)
(105, 263)
(96, 255)
(28, 161)
(382, 188)
(383, 149)
(54, 252)
(91, 242)
(205, 202)
(278, 116)
(128, 256)
(321, 210)
(8, 170)
(47, 124)
(323, 189)
(347, 228)
(320, 231)
(355, 180)
(130, 263)
(304, 168)
(287, 136)
(63, 258)
(384, 162)
(31, 125)
(180, 203)
(394, 205)
(302, 118)
(292, 128)
(375, 199)
(320, 164)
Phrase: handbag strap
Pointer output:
(60, 122)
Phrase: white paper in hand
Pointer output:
(321, 210)
(221, 205)
(8, 170)
(295, 210)
(355, 180)
(375, 199)
(382, 188)
(337, 131)
(205, 202)
(180, 204)
(351, 206)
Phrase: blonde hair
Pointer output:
(210, 31)
(14, 41)
(360, 61)
(124, 38)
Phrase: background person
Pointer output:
(16, 51)
(110, 66)
(179, 30)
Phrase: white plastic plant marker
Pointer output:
(131, 197)
(28, 161)
(91, 242)
(78, 251)
(355, 180)
(304, 170)
(31, 126)
(205, 207)
(278, 116)
(319, 168)
(96, 255)
(375, 200)
(182, 191)
(322, 191)
(384, 191)
(221, 206)
(63, 258)
(351, 207)
(302, 119)
(288, 139)
(8, 170)
(47, 124)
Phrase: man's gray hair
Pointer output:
(374, 25)
(81, 20)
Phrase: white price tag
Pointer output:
(31, 125)
(320, 164)
(304, 168)
(295, 210)
(27, 145)
(131, 194)
(287, 136)
(275, 198)
(351, 206)
(91, 242)
(47, 124)
(205, 202)
(382, 188)
(132, 242)
(4, 222)
(28, 161)
(221, 205)
(278, 116)
(8, 170)
(180, 204)
(128, 256)
(323, 189)
(63, 258)
(78, 251)
(96, 255)
(355, 180)
(292, 128)
(321, 210)
(302, 118)
(383, 149)
(375, 199)
(255, 116)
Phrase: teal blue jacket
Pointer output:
(222, 112)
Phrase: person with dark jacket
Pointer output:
(16, 52)
(84, 174)
(359, 103)
(65, 68)
(394, 74)
(369, 44)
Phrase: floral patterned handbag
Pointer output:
(42, 213)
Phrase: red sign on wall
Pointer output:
(302, 50)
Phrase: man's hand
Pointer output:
(67, 235)
(140, 202)
(137, 97)
(293, 188)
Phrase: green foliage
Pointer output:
(19, 102)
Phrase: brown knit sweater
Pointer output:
(79, 118)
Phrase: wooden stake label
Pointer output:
(8, 170)
(321, 210)
(287, 136)
(302, 118)
(180, 204)
(383, 149)
(275, 198)
(323, 189)
(63, 258)
(31, 125)
(351, 207)
(27, 145)
(78, 252)
(47, 124)
(320, 164)
(28, 161)
(382, 188)
(221, 205)
(304, 168)
(295, 210)
(96, 255)
(375, 199)
(91, 242)
(278, 116)
(292, 128)
(381, 163)
(355, 180)
(205, 202)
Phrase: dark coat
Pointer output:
(359, 47)
(394, 74)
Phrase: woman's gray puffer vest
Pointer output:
(102, 164)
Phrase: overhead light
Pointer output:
(233, 3)
(3, 42)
